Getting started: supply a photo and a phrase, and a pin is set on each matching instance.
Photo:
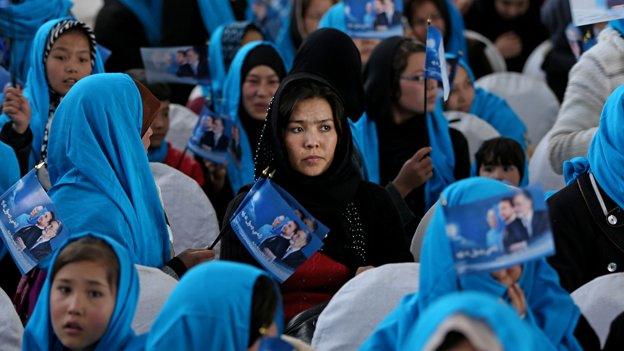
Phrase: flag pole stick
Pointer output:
(426, 73)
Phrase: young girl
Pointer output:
(63, 52)
(88, 299)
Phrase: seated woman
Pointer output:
(88, 299)
(531, 288)
(402, 132)
(466, 97)
(587, 215)
(218, 306)
(62, 53)
(443, 15)
(307, 142)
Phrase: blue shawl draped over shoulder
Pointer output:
(9, 174)
(37, 90)
(101, 180)
(210, 309)
(551, 313)
(39, 335)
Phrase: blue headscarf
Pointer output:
(9, 174)
(284, 42)
(239, 173)
(605, 157)
(39, 335)
(551, 313)
(149, 13)
(21, 21)
(334, 18)
(618, 25)
(158, 154)
(364, 132)
(494, 109)
(101, 180)
(210, 309)
(37, 90)
(512, 333)
(215, 13)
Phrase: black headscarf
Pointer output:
(262, 55)
(329, 196)
(332, 55)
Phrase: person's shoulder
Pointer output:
(571, 194)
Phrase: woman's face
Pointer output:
(81, 303)
(69, 60)
(412, 86)
(259, 86)
(160, 125)
(311, 137)
(462, 92)
(313, 14)
(509, 9)
(426, 10)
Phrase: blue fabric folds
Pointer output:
(21, 21)
(101, 180)
(39, 335)
(215, 13)
(210, 309)
(551, 313)
(364, 133)
(9, 174)
(37, 90)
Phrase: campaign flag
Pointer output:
(179, 64)
(373, 19)
(214, 136)
(31, 228)
(435, 63)
(275, 344)
(499, 232)
(276, 230)
(586, 12)
(271, 16)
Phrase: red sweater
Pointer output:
(187, 164)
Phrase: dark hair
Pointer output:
(89, 249)
(308, 89)
(263, 307)
(501, 151)
(399, 62)
(507, 199)
(451, 340)
(160, 90)
(409, 6)
(52, 216)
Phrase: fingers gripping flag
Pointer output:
(435, 64)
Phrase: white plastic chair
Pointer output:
(419, 235)
(601, 302)
(496, 60)
(361, 304)
(154, 289)
(540, 170)
(87, 10)
(11, 329)
(530, 98)
(181, 124)
(533, 65)
(474, 129)
(191, 216)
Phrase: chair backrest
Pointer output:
(154, 289)
(533, 64)
(530, 98)
(181, 123)
(11, 329)
(191, 216)
(601, 302)
(474, 129)
(419, 235)
(540, 170)
(361, 304)
(496, 60)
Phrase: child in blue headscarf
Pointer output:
(218, 306)
(531, 288)
(63, 52)
(467, 97)
(88, 299)
(470, 319)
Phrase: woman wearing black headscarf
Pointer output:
(307, 142)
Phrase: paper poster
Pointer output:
(181, 64)
(214, 136)
(276, 229)
(31, 229)
(374, 19)
(595, 11)
(500, 231)
(271, 16)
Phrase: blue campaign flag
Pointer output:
(373, 19)
(276, 230)
(214, 136)
(178, 64)
(435, 63)
(272, 16)
(275, 344)
(30, 227)
(500, 231)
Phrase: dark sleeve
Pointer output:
(585, 335)
(231, 248)
(388, 241)
(462, 155)
(615, 340)
(21, 144)
(408, 220)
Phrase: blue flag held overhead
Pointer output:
(435, 63)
